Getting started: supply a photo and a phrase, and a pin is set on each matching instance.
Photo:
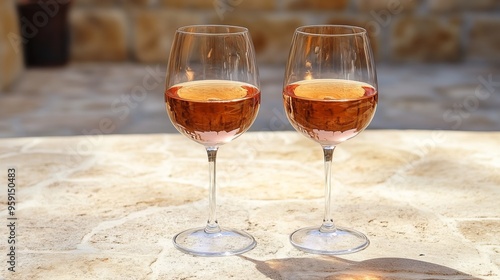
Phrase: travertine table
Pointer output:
(106, 207)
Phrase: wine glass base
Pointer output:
(339, 242)
(226, 242)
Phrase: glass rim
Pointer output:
(356, 30)
(197, 29)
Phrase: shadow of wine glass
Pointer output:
(324, 267)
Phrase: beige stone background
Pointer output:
(438, 62)
(402, 30)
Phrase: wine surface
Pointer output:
(212, 112)
(330, 111)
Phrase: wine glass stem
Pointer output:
(212, 225)
(328, 224)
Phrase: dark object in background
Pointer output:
(45, 31)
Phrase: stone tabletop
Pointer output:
(106, 207)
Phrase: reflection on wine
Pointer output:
(212, 112)
(330, 111)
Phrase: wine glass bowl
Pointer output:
(212, 96)
(330, 111)
(330, 95)
(212, 120)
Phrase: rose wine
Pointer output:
(330, 111)
(212, 112)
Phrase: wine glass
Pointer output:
(330, 95)
(212, 96)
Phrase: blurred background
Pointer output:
(87, 67)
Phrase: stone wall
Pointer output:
(401, 30)
(424, 31)
(11, 59)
